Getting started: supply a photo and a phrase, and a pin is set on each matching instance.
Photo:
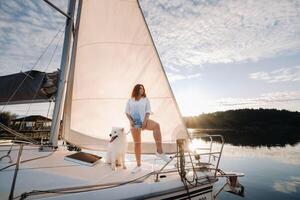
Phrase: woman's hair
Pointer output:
(136, 90)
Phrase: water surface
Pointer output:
(271, 172)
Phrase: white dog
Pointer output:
(117, 148)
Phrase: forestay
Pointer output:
(114, 52)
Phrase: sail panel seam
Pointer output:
(118, 43)
(82, 99)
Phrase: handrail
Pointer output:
(210, 153)
(161, 169)
(211, 137)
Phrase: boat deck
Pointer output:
(49, 170)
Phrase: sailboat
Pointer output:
(108, 49)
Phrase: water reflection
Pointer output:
(254, 139)
(289, 186)
(284, 149)
(271, 171)
(287, 155)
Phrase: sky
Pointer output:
(218, 54)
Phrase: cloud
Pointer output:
(289, 186)
(172, 77)
(290, 74)
(187, 33)
(203, 103)
(267, 100)
(26, 28)
(191, 33)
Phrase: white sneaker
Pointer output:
(136, 170)
(163, 156)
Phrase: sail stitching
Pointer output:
(122, 98)
(120, 43)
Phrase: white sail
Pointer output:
(114, 52)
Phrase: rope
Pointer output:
(16, 134)
(181, 167)
(8, 154)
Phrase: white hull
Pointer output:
(199, 193)
(139, 191)
(57, 178)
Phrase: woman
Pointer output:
(138, 111)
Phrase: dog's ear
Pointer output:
(122, 129)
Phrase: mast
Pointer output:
(57, 113)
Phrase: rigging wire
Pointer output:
(41, 82)
(15, 133)
(34, 65)
(50, 103)
(28, 160)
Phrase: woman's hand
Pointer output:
(130, 120)
(145, 121)
(144, 124)
(131, 123)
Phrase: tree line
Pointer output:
(7, 117)
(250, 127)
(245, 118)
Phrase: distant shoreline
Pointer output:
(250, 127)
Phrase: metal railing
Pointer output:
(214, 154)
(196, 163)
